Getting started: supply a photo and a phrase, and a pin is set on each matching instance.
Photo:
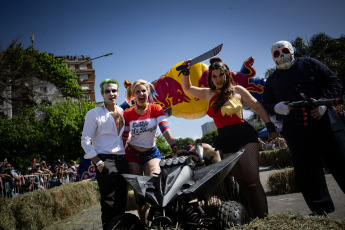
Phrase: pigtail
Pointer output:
(152, 94)
(129, 95)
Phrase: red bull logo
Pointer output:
(176, 102)
(169, 92)
(90, 173)
(245, 75)
(203, 81)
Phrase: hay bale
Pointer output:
(70, 198)
(7, 221)
(38, 209)
(131, 203)
(287, 221)
(278, 158)
(33, 210)
(282, 181)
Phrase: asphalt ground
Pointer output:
(294, 202)
(90, 218)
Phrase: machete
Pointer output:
(204, 56)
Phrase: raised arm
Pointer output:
(198, 92)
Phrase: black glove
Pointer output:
(184, 70)
(270, 127)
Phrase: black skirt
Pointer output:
(233, 137)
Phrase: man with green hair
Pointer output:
(102, 143)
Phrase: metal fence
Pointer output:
(28, 183)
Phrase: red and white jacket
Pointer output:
(142, 127)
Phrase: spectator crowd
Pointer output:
(40, 176)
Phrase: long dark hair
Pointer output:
(227, 90)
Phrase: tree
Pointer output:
(20, 68)
(269, 71)
(326, 49)
(301, 49)
(183, 142)
(209, 137)
(62, 126)
(163, 146)
(56, 132)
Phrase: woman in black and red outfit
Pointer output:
(234, 133)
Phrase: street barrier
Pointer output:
(10, 187)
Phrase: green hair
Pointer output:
(106, 81)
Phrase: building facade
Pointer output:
(46, 91)
(82, 66)
(208, 127)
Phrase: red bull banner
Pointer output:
(86, 169)
(176, 102)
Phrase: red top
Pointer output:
(229, 114)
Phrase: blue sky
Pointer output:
(149, 37)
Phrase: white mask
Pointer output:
(283, 54)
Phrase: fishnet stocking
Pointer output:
(246, 173)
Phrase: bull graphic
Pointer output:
(174, 101)
(169, 92)
(245, 77)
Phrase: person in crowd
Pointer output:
(226, 108)
(75, 165)
(33, 181)
(43, 166)
(58, 162)
(102, 143)
(11, 179)
(313, 134)
(141, 122)
(55, 175)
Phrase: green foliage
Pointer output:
(20, 68)
(183, 142)
(269, 71)
(209, 137)
(330, 51)
(50, 130)
(258, 126)
(163, 146)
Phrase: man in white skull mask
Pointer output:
(314, 135)
(283, 54)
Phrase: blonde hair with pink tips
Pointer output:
(150, 88)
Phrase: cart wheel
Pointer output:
(232, 213)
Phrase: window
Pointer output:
(85, 87)
(72, 67)
(87, 97)
(83, 66)
(43, 89)
(84, 77)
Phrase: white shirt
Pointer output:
(100, 133)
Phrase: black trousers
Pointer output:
(112, 186)
(311, 148)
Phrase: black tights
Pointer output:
(246, 173)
